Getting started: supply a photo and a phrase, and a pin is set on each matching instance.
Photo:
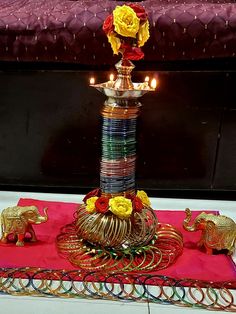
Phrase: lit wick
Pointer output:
(147, 79)
(111, 77)
(153, 83)
(92, 81)
(110, 83)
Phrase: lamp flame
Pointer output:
(112, 77)
(92, 81)
(153, 83)
(147, 78)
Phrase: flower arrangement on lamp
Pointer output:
(127, 29)
(121, 206)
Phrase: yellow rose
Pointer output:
(115, 43)
(121, 207)
(143, 34)
(144, 198)
(90, 204)
(125, 21)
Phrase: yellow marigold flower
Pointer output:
(125, 21)
(143, 34)
(90, 204)
(121, 207)
(144, 198)
(115, 43)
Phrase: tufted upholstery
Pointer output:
(70, 31)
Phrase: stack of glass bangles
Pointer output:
(117, 175)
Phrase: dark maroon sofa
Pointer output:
(70, 31)
(49, 125)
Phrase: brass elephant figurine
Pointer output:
(18, 221)
(218, 231)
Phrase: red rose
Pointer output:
(140, 11)
(137, 204)
(130, 196)
(108, 24)
(96, 192)
(102, 204)
(131, 53)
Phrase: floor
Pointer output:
(34, 305)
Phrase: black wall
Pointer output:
(50, 132)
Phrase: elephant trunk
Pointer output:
(44, 218)
(186, 222)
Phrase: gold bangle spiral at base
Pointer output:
(97, 242)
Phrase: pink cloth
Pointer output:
(192, 264)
